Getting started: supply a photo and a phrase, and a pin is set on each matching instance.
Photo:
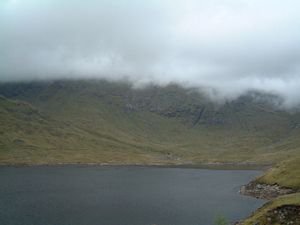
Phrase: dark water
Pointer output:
(76, 195)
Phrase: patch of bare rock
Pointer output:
(265, 191)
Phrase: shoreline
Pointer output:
(209, 165)
(271, 193)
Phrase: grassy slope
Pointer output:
(286, 174)
(160, 124)
(27, 136)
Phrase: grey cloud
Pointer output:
(228, 46)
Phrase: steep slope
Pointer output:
(163, 124)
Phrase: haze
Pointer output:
(228, 47)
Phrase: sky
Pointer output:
(227, 47)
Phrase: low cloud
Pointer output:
(228, 46)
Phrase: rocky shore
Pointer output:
(265, 191)
(286, 214)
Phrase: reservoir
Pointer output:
(122, 195)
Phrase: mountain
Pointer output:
(96, 121)
(28, 136)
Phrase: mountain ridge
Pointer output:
(167, 124)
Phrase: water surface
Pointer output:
(95, 195)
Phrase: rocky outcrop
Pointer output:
(282, 215)
(264, 191)
(287, 214)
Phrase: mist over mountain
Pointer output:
(226, 48)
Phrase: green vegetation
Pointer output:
(286, 174)
(221, 220)
(29, 137)
(101, 122)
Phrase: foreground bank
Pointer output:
(280, 185)
(282, 210)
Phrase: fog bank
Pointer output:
(228, 47)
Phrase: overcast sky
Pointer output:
(229, 46)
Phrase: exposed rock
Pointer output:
(129, 108)
(199, 116)
(285, 215)
(264, 191)
(282, 215)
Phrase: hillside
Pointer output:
(29, 136)
(104, 122)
